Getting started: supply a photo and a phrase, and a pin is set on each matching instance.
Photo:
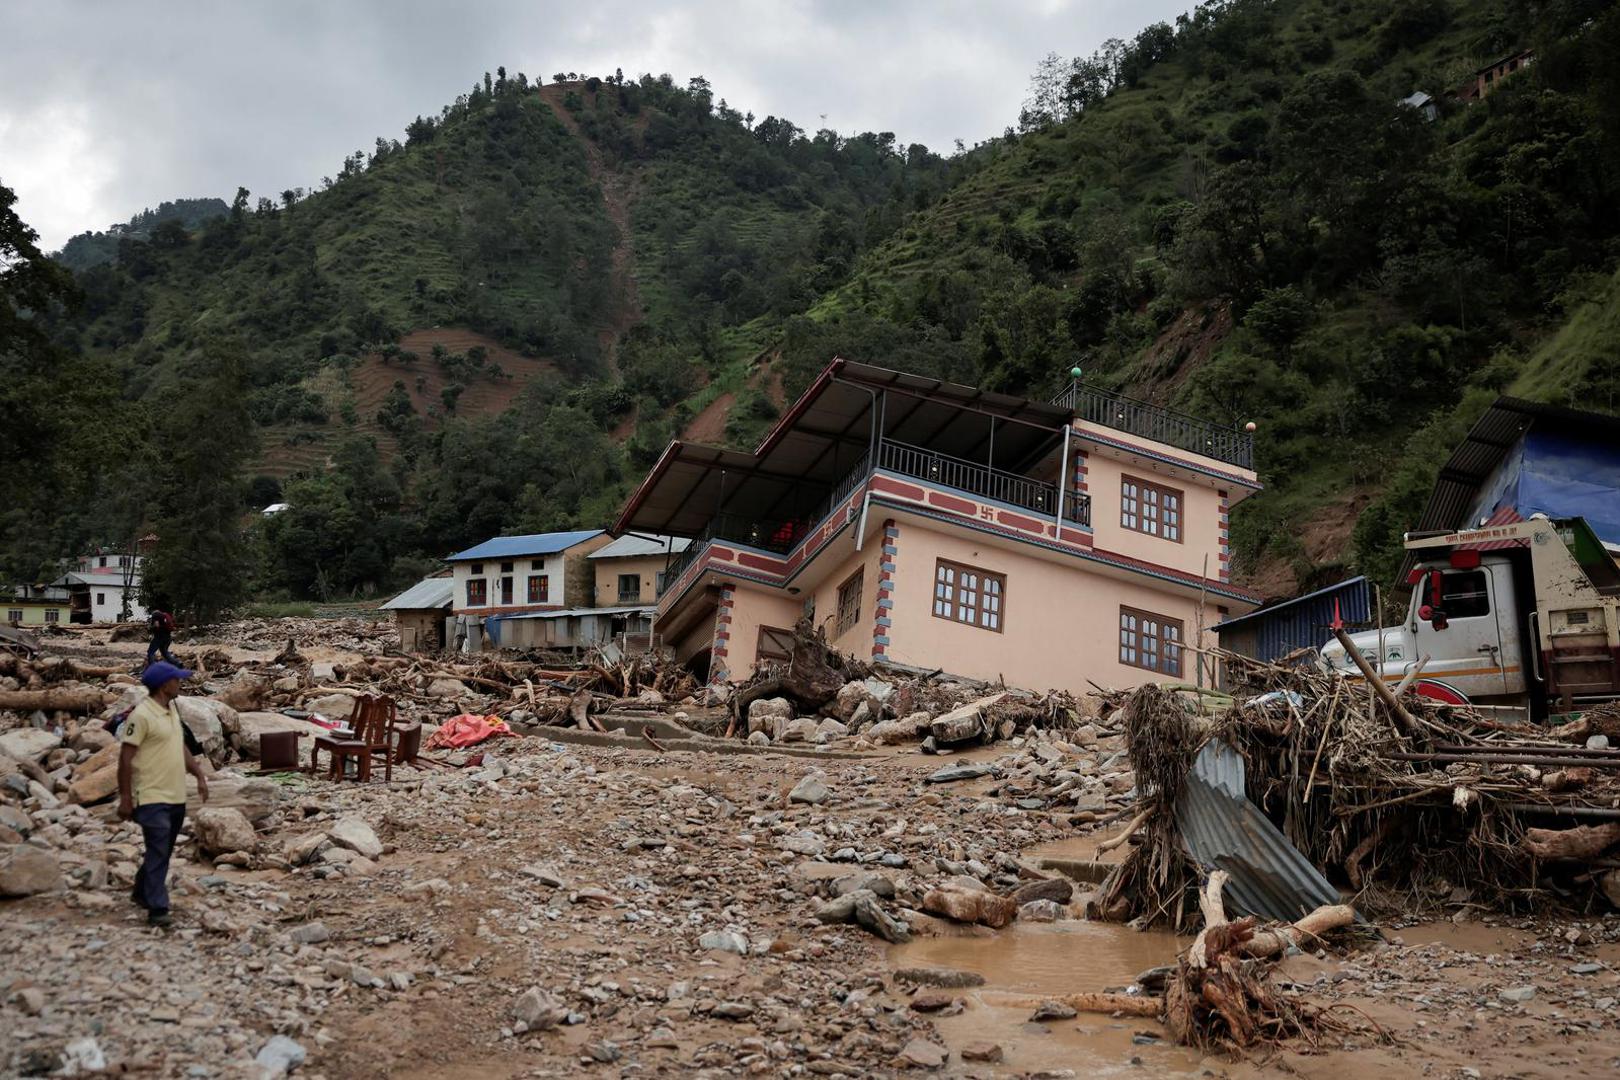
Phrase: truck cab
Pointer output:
(1466, 619)
(1524, 614)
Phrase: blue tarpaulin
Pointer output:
(1562, 477)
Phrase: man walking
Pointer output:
(162, 626)
(152, 766)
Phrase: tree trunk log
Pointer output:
(86, 699)
(1581, 842)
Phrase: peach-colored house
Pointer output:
(926, 524)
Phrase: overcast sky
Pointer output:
(108, 107)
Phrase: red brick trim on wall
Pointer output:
(719, 669)
(1225, 555)
(883, 617)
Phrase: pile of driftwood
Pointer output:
(1403, 801)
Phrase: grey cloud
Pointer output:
(109, 108)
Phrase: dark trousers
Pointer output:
(160, 823)
(160, 645)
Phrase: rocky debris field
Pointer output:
(576, 902)
(557, 910)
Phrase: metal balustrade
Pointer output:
(1159, 424)
(969, 477)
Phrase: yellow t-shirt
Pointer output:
(159, 768)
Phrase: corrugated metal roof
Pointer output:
(433, 592)
(507, 547)
(564, 613)
(632, 544)
(102, 578)
(1223, 830)
(1303, 621)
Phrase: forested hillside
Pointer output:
(496, 322)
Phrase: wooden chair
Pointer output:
(371, 724)
(397, 743)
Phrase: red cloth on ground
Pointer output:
(467, 730)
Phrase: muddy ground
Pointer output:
(563, 910)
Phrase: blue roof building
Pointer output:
(1303, 622)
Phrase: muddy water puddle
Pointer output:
(1029, 961)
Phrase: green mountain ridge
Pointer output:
(498, 322)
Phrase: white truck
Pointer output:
(1524, 615)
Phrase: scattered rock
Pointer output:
(812, 790)
(944, 977)
(310, 933)
(769, 715)
(732, 1010)
(922, 1054)
(1518, 994)
(1041, 911)
(280, 1055)
(970, 906)
(303, 849)
(863, 908)
(724, 941)
(26, 870)
(222, 830)
(987, 1052)
(357, 836)
(951, 773)
(28, 744)
(1052, 1010)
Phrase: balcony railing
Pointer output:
(782, 536)
(1159, 424)
(1036, 496)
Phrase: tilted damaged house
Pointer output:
(930, 525)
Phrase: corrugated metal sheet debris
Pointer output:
(1224, 830)
(1303, 622)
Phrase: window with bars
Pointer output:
(14, 615)
(1149, 641)
(849, 603)
(629, 588)
(967, 594)
(1150, 508)
(539, 589)
(477, 592)
(53, 615)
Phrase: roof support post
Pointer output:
(1062, 480)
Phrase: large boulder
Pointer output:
(970, 906)
(357, 836)
(131, 697)
(28, 744)
(448, 689)
(902, 729)
(333, 706)
(966, 722)
(254, 724)
(246, 691)
(222, 830)
(851, 696)
(770, 715)
(205, 718)
(95, 778)
(255, 797)
(26, 870)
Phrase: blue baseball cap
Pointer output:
(161, 672)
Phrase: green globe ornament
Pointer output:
(1075, 372)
